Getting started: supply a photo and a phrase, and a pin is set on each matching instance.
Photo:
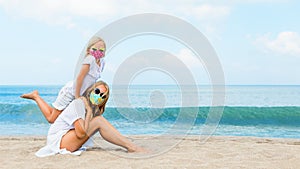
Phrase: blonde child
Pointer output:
(90, 71)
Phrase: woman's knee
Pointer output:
(102, 120)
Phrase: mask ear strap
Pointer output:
(106, 92)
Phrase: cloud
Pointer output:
(209, 12)
(76, 13)
(286, 43)
(207, 15)
(55, 12)
(188, 58)
(261, 1)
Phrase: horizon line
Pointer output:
(160, 84)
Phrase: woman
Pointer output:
(81, 120)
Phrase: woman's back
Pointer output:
(68, 116)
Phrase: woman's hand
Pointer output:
(89, 114)
(87, 105)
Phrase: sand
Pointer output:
(188, 152)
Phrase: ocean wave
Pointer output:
(277, 116)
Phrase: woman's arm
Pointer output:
(81, 126)
(83, 72)
(88, 116)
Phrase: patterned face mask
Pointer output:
(97, 53)
(96, 97)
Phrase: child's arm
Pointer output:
(83, 72)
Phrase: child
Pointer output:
(90, 71)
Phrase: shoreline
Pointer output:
(188, 152)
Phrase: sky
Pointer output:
(257, 41)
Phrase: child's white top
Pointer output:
(67, 93)
(93, 74)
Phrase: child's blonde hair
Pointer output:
(93, 41)
(97, 110)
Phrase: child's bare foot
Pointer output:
(31, 95)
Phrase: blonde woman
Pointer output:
(82, 119)
(90, 71)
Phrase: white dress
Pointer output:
(61, 126)
(67, 93)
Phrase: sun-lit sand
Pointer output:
(216, 152)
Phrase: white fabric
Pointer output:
(61, 126)
(92, 75)
(67, 93)
(65, 97)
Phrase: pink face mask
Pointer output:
(97, 53)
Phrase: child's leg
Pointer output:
(49, 112)
(54, 114)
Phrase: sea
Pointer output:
(248, 110)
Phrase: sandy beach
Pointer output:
(188, 152)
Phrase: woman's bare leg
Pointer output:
(71, 142)
(49, 112)
(110, 134)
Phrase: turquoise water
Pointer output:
(262, 111)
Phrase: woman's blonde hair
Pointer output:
(93, 41)
(99, 109)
